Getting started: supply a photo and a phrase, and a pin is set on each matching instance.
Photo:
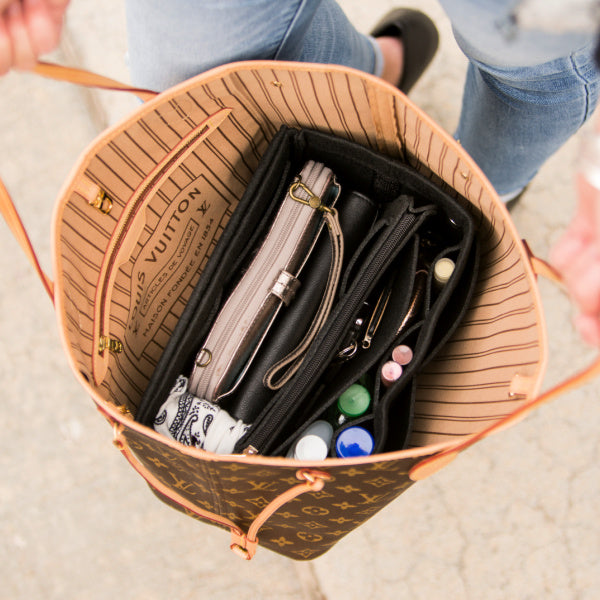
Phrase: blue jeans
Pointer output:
(526, 92)
(172, 40)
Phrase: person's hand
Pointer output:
(577, 258)
(28, 28)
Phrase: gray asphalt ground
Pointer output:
(515, 517)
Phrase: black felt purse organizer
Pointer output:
(396, 224)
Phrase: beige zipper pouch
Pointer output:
(269, 284)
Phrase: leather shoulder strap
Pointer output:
(88, 79)
(11, 216)
(7, 207)
(435, 462)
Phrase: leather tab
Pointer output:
(242, 546)
(522, 385)
(541, 266)
(285, 287)
(94, 195)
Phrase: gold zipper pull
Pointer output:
(377, 315)
(313, 200)
(102, 202)
(112, 345)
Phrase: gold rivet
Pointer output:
(112, 345)
(276, 84)
(102, 202)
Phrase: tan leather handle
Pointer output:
(242, 544)
(11, 216)
(88, 79)
(7, 207)
(434, 463)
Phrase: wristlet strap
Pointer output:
(280, 373)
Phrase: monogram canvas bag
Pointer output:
(137, 223)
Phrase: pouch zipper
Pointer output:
(110, 263)
(273, 420)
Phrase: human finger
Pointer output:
(4, 4)
(588, 327)
(5, 47)
(582, 279)
(23, 55)
(42, 27)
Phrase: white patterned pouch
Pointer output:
(196, 422)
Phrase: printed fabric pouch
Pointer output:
(146, 219)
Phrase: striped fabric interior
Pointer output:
(466, 388)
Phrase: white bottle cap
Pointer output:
(311, 447)
(322, 429)
(443, 270)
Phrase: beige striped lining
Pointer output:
(465, 389)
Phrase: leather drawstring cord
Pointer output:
(242, 544)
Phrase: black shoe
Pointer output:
(419, 37)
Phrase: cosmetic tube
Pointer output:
(391, 371)
(313, 449)
(442, 271)
(353, 403)
(402, 354)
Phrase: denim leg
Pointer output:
(170, 41)
(513, 119)
(332, 39)
(492, 32)
(527, 90)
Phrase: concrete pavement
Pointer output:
(516, 517)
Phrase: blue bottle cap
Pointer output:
(354, 441)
